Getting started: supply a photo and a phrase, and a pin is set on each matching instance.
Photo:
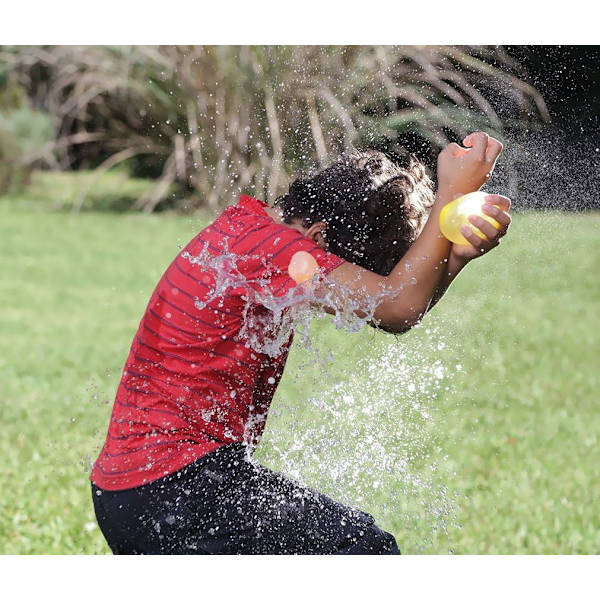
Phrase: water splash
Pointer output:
(290, 313)
(367, 439)
(265, 332)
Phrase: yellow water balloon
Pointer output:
(456, 214)
(302, 267)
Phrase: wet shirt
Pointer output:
(209, 351)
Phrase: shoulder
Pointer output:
(263, 237)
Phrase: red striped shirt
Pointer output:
(192, 381)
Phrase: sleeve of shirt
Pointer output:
(277, 252)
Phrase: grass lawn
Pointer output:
(477, 432)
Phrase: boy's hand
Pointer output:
(463, 170)
(496, 206)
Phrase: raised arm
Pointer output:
(399, 300)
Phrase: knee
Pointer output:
(384, 542)
(373, 540)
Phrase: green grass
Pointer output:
(513, 437)
(80, 191)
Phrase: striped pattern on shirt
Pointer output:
(191, 382)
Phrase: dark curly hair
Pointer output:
(375, 205)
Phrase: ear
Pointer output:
(316, 232)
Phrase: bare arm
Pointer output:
(399, 300)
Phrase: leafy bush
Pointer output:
(32, 128)
(13, 174)
(24, 134)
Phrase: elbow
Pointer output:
(398, 317)
(408, 324)
(400, 325)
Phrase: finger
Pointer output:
(455, 150)
(485, 227)
(497, 200)
(502, 218)
(472, 238)
(494, 147)
(478, 142)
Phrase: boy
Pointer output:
(175, 475)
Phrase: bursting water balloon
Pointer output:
(302, 267)
(456, 214)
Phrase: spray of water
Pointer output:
(367, 439)
(289, 313)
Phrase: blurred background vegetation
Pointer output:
(190, 127)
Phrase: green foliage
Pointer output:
(12, 95)
(32, 128)
(519, 424)
(82, 190)
(13, 174)
(25, 135)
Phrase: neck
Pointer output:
(276, 214)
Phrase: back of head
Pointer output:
(375, 205)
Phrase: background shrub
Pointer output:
(211, 122)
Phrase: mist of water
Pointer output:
(368, 438)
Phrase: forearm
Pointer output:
(423, 271)
(451, 269)
(399, 300)
(460, 170)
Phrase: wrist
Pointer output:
(445, 194)
(456, 261)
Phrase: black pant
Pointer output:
(225, 503)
